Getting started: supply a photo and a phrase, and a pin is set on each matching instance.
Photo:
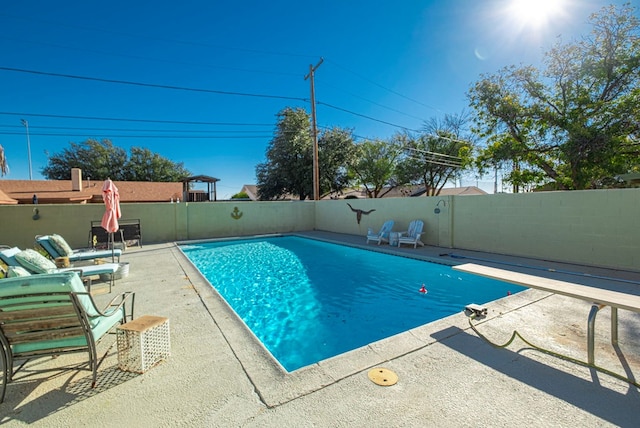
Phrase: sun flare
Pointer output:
(535, 13)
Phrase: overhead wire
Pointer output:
(218, 46)
(162, 39)
(182, 122)
(76, 128)
(48, 134)
(365, 116)
(433, 153)
(436, 162)
(182, 88)
(121, 55)
(152, 85)
(370, 101)
(383, 87)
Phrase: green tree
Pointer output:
(101, 160)
(336, 152)
(144, 165)
(240, 195)
(289, 166)
(97, 159)
(440, 152)
(375, 167)
(574, 122)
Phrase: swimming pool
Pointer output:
(308, 300)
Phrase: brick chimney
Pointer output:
(76, 179)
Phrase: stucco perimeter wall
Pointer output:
(337, 216)
(209, 220)
(18, 228)
(160, 222)
(591, 227)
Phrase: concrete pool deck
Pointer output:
(218, 375)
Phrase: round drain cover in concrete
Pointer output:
(382, 376)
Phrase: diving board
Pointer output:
(598, 296)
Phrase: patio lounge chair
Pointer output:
(383, 235)
(35, 263)
(52, 314)
(412, 235)
(56, 246)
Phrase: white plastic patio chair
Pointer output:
(383, 235)
(412, 236)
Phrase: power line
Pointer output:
(151, 85)
(372, 102)
(437, 162)
(367, 117)
(384, 87)
(47, 134)
(433, 153)
(75, 128)
(121, 55)
(119, 119)
(162, 39)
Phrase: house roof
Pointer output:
(6, 200)
(398, 192)
(468, 190)
(60, 191)
(252, 192)
(414, 191)
(201, 178)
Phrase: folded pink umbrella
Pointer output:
(111, 199)
(109, 222)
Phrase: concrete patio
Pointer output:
(218, 375)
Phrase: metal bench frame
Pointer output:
(598, 296)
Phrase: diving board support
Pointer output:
(598, 296)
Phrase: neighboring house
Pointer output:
(399, 192)
(252, 192)
(412, 191)
(78, 191)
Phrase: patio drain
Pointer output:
(383, 377)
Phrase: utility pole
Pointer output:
(314, 131)
(26, 125)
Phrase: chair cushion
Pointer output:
(49, 283)
(60, 245)
(34, 261)
(14, 271)
(46, 245)
(8, 256)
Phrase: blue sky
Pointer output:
(398, 63)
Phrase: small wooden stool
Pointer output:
(142, 343)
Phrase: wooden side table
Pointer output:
(142, 343)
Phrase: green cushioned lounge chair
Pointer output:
(52, 314)
(56, 246)
(43, 265)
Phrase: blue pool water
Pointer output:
(309, 300)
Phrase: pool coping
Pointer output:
(275, 386)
